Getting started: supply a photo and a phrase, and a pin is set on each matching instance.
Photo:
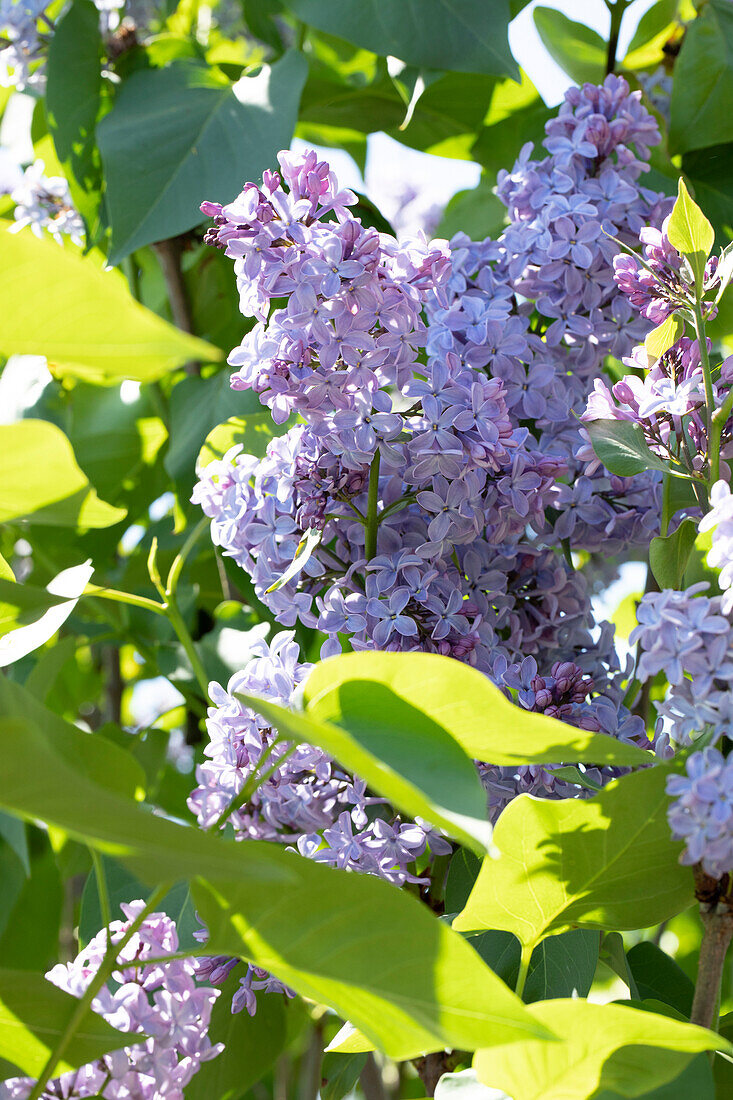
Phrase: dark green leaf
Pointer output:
(15, 835)
(621, 447)
(162, 144)
(602, 862)
(710, 171)
(703, 81)
(563, 966)
(340, 1072)
(694, 1083)
(468, 36)
(669, 555)
(31, 938)
(197, 406)
(73, 99)
(659, 976)
(577, 49)
(477, 212)
(251, 1045)
(95, 757)
(34, 1015)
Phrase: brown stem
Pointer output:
(717, 923)
(169, 255)
(115, 685)
(371, 1081)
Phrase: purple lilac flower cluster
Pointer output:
(701, 812)
(685, 636)
(438, 392)
(163, 1000)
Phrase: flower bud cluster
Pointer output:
(163, 1000)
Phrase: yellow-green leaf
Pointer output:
(661, 338)
(62, 305)
(690, 232)
(41, 482)
(624, 1050)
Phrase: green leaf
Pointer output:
(659, 977)
(577, 49)
(653, 22)
(197, 405)
(28, 450)
(690, 232)
(602, 862)
(253, 431)
(669, 555)
(661, 338)
(467, 36)
(603, 1047)
(30, 616)
(162, 144)
(14, 833)
(423, 771)
(251, 1045)
(477, 212)
(381, 696)
(613, 954)
(562, 966)
(621, 447)
(31, 938)
(84, 320)
(323, 937)
(703, 81)
(339, 1073)
(94, 757)
(73, 96)
(710, 171)
(23, 603)
(303, 551)
(34, 1015)
(316, 928)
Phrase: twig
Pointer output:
(169, 255)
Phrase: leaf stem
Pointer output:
(102, 890)
(523, 970)
(372, 523)
(253, 783)
(125, 597)
(713, 451)
(108, 964)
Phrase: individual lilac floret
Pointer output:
(719, 520)
(701, 811)
(163, 999)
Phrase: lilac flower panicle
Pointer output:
(164, 1000)
(448, 379)
(701, 811)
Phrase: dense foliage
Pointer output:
(332, 762)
